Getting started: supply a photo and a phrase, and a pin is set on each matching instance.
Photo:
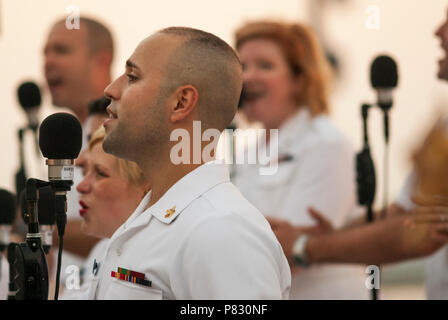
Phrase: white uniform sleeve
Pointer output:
(222, 260)
(404, 197)
(326, 181)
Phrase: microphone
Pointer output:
(30, 100)
(7, 215)
(46, 216)
(384, 78)
(60, 140)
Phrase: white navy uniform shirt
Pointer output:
(89, 269)
(436, 265)
(318, 170)
(201, 240)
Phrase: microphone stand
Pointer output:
(30, 268)
(385, 107)
(20, 177)
(366, 179)
(60, 188)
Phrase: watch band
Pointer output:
(299, 251)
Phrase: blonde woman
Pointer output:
(111, 190)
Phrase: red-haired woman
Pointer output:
(285, 75)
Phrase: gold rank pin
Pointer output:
(170, 212)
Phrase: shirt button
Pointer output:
(118, 251)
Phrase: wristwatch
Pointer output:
(299, 251)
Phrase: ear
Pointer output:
(184, 103)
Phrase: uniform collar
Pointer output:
(290, 131)
(181, 194)
(292, 128)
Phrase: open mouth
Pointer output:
(253, 95)
(250, 96)
(112, 115)
(252, 92)
(55, 83)
(83, 209)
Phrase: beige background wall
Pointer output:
(406, 31)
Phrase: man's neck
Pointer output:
(82, 113)
(163, 177)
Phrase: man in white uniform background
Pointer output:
(77, 65)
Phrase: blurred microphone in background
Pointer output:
(30, 99)
(384, 79)
(29, 96)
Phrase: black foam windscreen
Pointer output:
(7, 207)
(29, 95)
(383, 72)
(60, 136)
(45, 206)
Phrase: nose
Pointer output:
(250, 74)
(49, 60)
(440, 29)
(113, 90)
(84, 186)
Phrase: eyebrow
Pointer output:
(131, 64)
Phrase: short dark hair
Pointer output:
(202, 38)
(99, 37)
(213, 67)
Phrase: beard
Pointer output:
(141, 138)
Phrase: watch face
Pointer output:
(299, 254)
(299, 261)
